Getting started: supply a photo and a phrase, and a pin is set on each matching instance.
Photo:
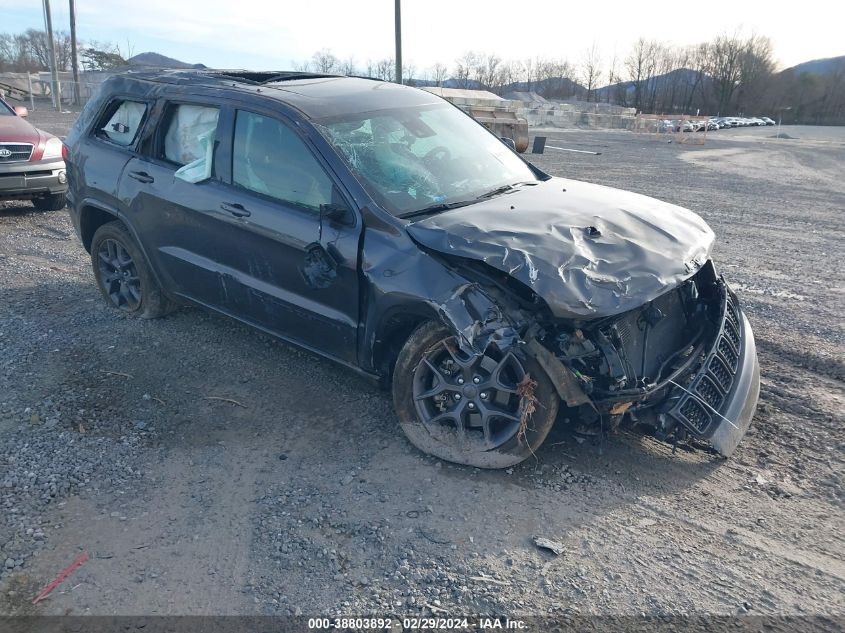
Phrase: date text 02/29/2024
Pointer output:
(416, 623)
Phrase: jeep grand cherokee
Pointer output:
(381, 227)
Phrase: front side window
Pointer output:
(189, 140)
(122, 121)
(410, 159)
(269, 158)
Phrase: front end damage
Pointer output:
(683, 365)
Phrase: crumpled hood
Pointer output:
(589, 251)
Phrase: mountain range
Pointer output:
(555, 86)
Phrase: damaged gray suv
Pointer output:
(381, 227)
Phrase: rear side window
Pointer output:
(121, 121)
(189, 140)
(269, 158)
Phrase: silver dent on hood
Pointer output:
(589, 251)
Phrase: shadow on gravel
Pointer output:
(194, 369)
(17, 208)
(243, 439)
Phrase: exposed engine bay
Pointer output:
(668, 366)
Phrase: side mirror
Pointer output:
(335, 211)
(509, 142)
(21, 111)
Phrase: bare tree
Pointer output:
(697, 61)
(323, 61)
(756, 66)
(438, 74)
(409, 73)
(724, 66)
(612, 78)
(464, 68)
(347, 66)
(640, 65)
(15, 54)
(527, 72)
(487, 70)
(385, 69)
(591, 69)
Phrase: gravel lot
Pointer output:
(304, 497)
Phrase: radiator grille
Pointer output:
(15, 152)
(697, 407)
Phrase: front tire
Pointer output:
(50, 202)
(123, 275)
(472, 410)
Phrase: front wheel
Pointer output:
(50, 202)
(488, 411)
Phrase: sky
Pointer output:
(277, 35)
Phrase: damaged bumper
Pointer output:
(683, 364)
(697, 375)
(721, 398)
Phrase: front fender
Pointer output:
(412, 282)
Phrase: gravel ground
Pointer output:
(208, 469)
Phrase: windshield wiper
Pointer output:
(445, 206)
(435, 208)
(503, 189)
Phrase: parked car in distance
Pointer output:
(667, 126)
(767, 120)
(379, 226)
(31, 163)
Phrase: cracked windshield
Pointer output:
(411, 159)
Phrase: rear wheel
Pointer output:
(488, 411)
(50, 202)
(122, 273)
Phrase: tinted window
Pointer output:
(269, 158)
(121, 121)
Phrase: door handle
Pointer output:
(141, 176)
(235, 209)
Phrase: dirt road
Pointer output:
(207, 469)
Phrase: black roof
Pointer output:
(317, 96)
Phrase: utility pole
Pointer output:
(398, 15)
(74, 64)
(54, 86)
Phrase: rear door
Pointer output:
(173, 202)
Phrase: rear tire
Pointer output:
(50, 202)
(123, 275)
(462, 422)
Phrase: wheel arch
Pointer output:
(394, 329)
(93, 215)
(91, 218)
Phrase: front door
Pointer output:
(297, 266)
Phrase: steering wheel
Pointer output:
(437, 153)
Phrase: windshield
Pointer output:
(5, 109)
(410, 159)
